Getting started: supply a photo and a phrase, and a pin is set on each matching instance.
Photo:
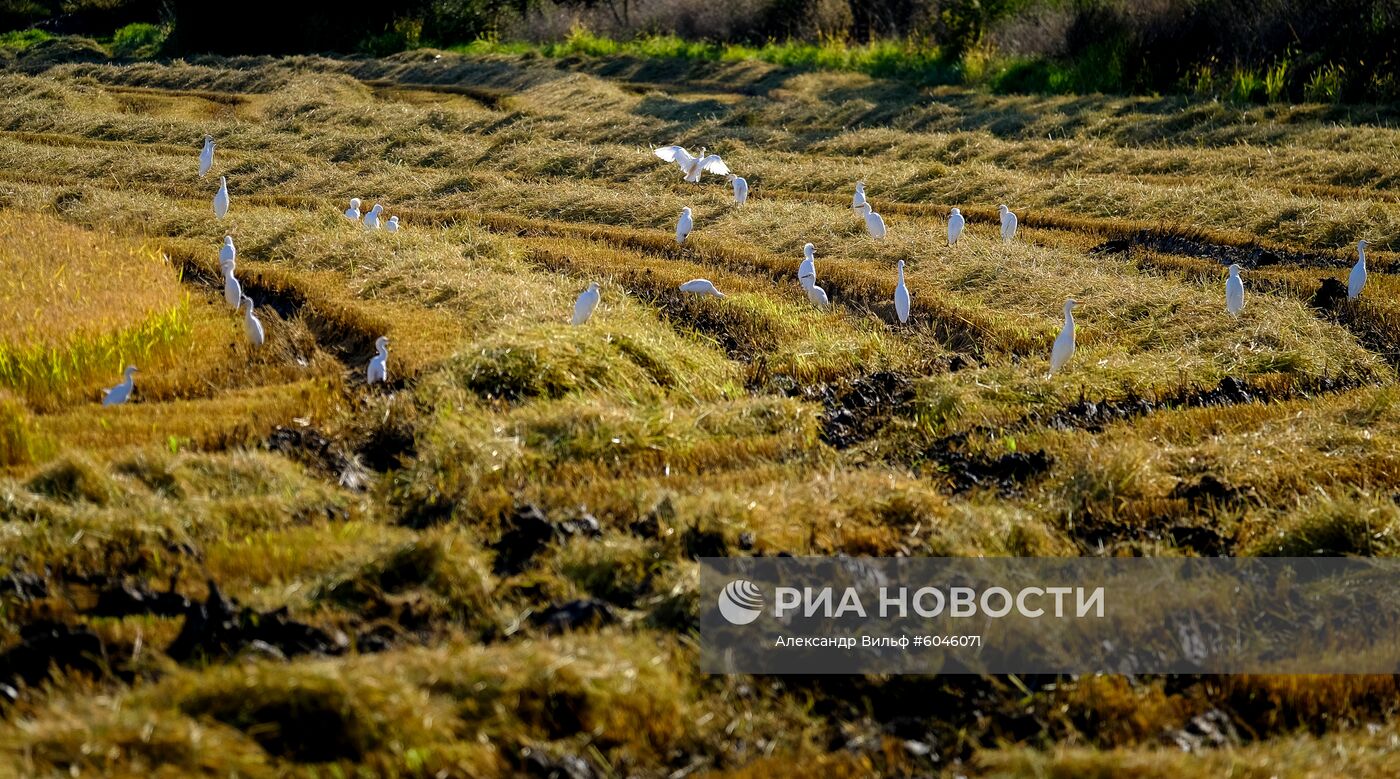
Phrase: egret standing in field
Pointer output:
(227, 253)
(901, 297)
(1008, 224)
(701, 287)
(1358, 272)
(586, 304)
(251, 325)
(115, 396)
(221, 198)
(233, 291)
(955, 226)
(807, 271)
(206, 157)
(1234, 291)
(1064, 342)
(741, 189)
(392, 225)
(874, 223)
(372, 218)
(692, 167)
(353, 212)
(817, 295)
(684, 225)
(378, 371)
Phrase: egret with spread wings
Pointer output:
(693, 166)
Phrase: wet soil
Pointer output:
(1189, 244)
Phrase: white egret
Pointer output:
(233, 291)
(379, 364)
(1234, 291)
(684, 225)
(1358, 272)
(741, 189)
(1008, 224)
(206, 157)
(221, 198)
(227, 253)
(1064, 342)
(874, 223)
(701, 287)
(901, 297)
(392, 225)
(586, 304)
(353, 212)
(115, 396)
(807, 271)
(251, 325)
(372, 218)
(858, 200)
(955, 226)
(817, 295)
(692, 167)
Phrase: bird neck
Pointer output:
(901, 274)
(1069, 317)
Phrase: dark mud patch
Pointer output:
(585, 614)
(218, 628)
(45, 645)
(1095, 415)
(1329, 296)
(528, 531)
(856, 411)
(313, 449)
(1189, 244)
(1006, 473)
(126, 599)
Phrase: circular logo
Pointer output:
(741, 602)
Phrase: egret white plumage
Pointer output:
(901, 297)
(586, 304)
(372, 218)
(858, 199)
(701, 287)
(115, 396)
(1008, 224)
(1358, 272)
(378, 370)
(206, 156)
(693, 166)
(252, 326)
(227, 253)
(353, 212)
(392, 225)
(807, 271)
(1234, 291)
(874, 223)
(817, 295)
(221, 198)
(233, 291)
(1064, 342)
(684, 225)
(955, 226)
(741, 189)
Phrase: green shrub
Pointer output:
(138, 40)
(1325, 84)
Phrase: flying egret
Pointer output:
(227, 254)
(901, 297)
(874, 223)
(955, 226)
(692, 167)
(206, 157)
(807, 271)
(1358, 272)
(372, 218)
(1064, 342)
(586, 304)
(118, 395)
(684, 225)
(1234, 291)
(1008, 224)
(379, 364)
(353, 212)
(233, 291)
(251, 325)
(221, 198)
(392, 225)
(701, 287)
(858, 200)
(741, 189)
